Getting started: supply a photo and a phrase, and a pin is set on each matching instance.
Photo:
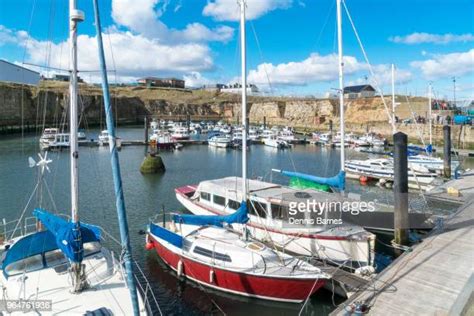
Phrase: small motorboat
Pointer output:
(206, 250)
(221, 141)
(48, 136)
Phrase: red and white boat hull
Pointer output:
(352, 252)
(282, 289)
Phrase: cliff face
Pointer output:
(47, 103)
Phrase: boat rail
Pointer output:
(143, 285)
(10, 230)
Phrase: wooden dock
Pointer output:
(435, 278)
(462, 190)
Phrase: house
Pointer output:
(237, 88)
(161, 82)
(10, 72)
(361, 91)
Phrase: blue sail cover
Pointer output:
(414, 148)
(29, 246)
(240, 217)
(338, 181)
(69, 236)
(167, 235)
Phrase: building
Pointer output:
(213, 87)
(65, 78)
(361, 91)
(161, 82)
(237, 88)
(17, 74)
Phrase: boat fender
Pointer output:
(149, 245)
(180, 268)
(212, 276)
(363, 180)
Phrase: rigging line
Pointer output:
(370, 66)
(65, 70)
(324, 25)
(24, 210)
(261, 57)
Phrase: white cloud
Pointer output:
(195, 79)
(315, 68)
(143, 17)
(383, 76)
(228, 10)
(447, 65)
(134, 55)
(418, 38)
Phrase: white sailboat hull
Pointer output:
(335, 249)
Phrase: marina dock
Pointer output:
(457, 191)
(435, 278)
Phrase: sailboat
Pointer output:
(62, 267)
(208, 250)
(341, 244)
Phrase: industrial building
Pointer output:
(10, 72)
(161, 82)
(237, 88)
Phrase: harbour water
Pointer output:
(146, 194)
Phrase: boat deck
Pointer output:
(107, 288)
(434, 279)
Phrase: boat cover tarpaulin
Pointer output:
(69, 236)
(338, 181)
(28, 246)
(166, 235)
(240, 217)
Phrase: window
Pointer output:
(209, 253)
(258, 209)
(233, 205)
(279, 211)
(219, 200)
(91, 248)
(205, 196)
(25, 265)
(54, 258)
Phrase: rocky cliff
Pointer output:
(47, 103)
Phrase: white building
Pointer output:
(17, 74)
(237, 88)
(361, 91)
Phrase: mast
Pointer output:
(341, 84)
(244, 97)
(75, 17)
(394, 129)
(429, 114)
(114, 160)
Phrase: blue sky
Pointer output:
(427, 40)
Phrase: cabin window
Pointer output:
(212, 254)
(91, 248)
(258, 209)
(219, 200)
(233, 205)
(25, 265)
(205, 196)
(54, 258)
(279, 211)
